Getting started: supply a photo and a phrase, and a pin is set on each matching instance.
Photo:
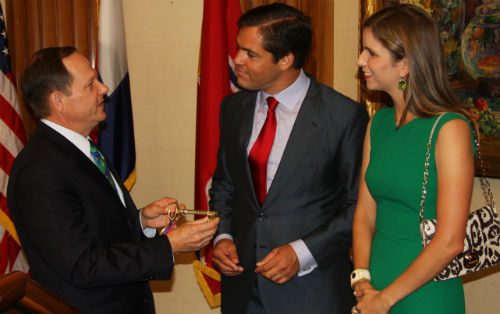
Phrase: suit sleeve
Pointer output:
(61, 233)
(334, 238)
(222, 189)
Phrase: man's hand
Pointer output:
(226, 258)
(280, 265)
(155, 215)
(192, 235)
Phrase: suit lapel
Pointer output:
(242, 122)
(246, 126)
(305, 130)
(80, 161)
(129, 203)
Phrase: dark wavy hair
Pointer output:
(408, 31)
(46, 73)
(284, 30)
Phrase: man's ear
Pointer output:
(286, 61)
(56, 102)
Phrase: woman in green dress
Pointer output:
(402, 57)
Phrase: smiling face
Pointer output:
(83, 109)
(254, 65)
(380, 70)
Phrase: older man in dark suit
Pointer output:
(287, 176)
(84, 238)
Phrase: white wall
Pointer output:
(163, 38)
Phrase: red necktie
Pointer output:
(259, 154)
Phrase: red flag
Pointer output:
(216, 80)
(12, 140)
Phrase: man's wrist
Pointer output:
(305, 257)
(148, 232)
(221, 237)
(142, 218)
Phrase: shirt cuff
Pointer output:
(306, 259)
(148, 232)
(222, 236)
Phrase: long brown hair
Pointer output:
(408, 31)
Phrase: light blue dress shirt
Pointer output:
(290, 100)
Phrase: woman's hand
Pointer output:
(373, 302)
(360, 287)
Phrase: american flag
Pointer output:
(12, 140)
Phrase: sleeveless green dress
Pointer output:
(394, 178)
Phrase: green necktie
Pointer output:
(100, 162)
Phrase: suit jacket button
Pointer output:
(260, 216)
(130, 223)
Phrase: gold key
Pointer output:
(172, 214)
(209, 213)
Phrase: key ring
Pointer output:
(171, 216)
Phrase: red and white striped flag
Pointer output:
(216, 80)
(12, 140)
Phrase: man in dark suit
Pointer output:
(83, 236)
(286, 201)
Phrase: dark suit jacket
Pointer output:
(312, 197)
(80, 241)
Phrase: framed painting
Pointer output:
(470, 35)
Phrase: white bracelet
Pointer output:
(360, 274)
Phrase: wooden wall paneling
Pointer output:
(64, 26)
(320, 60)
(307, 8)
(80, 23)
(36, 24)
(292, 3)
(32, 39)
(48, 23)
(323, 39)
(248, 4)
(93, 22)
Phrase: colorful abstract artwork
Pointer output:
(470, 35)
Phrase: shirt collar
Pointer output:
(81, 142)
(290, 96)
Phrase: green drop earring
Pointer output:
(401, 84)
